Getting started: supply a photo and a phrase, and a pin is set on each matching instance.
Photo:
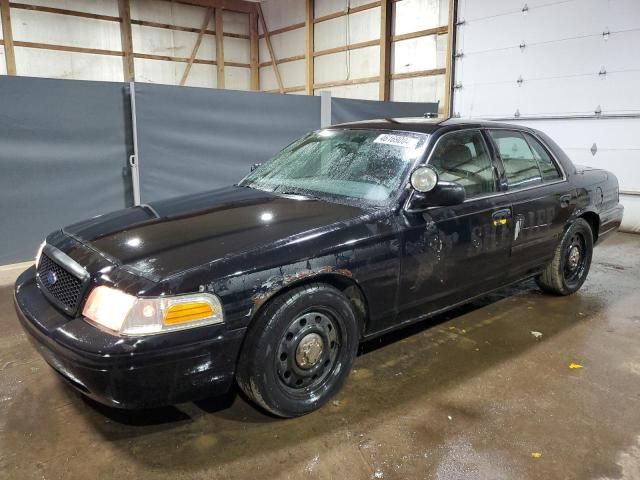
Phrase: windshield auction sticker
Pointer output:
(404, 141)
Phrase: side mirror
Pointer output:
(424, 179)
(254, 166)
(428, 192)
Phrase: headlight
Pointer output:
(129, 315)
(39, 252)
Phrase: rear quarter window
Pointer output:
(520, 164)
(548, 168)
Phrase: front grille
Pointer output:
(63, 288)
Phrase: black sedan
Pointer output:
(348, 233)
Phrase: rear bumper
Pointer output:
(610, 221)
(128, 372)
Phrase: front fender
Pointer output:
(244, 293)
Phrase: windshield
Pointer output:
(361, 165)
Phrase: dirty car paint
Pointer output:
(246, 246)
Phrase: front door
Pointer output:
(450, 254)
(541, 199)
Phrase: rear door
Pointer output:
(540, 197)
(453, 253)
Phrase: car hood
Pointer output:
(167, 237)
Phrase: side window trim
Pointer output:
(496, 160)
(528, 137)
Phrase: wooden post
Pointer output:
(254, 56)
(194, 52)
(386, 14)
(448, 77)
(309, 13)
(270, 48)
(9, 53)
(128, 68)
(219, 47)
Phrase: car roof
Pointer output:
(425, 125)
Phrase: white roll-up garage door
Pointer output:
(568, 67)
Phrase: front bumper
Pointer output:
(128, 372)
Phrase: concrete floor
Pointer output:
(472, 394)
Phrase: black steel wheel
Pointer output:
(308, 351)
(574, 259)
(570, 265)
(299, 350)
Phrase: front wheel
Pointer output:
(571, 261)
(299, 350)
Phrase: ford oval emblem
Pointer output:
(52, 278)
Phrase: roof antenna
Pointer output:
(430, 115)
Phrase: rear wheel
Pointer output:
(299, 350)
(570, 265)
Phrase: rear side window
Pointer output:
(520, 164)
(548, 169)
(462, 157)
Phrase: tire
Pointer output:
(571, 261)
(299, 350)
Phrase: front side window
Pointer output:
(520, 164)
(462, 157)
(360, 165)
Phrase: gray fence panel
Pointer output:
(64, 147)
(195, 139)
(348, 110)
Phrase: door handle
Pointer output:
(565, 200)
(501, 217)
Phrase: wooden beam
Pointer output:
(254, 54)
(66, 48)
(236, 35)
(448, 79)
(198, 61)
(169, 58)
(270, 48)
(340, 83)
(219, 48)
(421, 33)
(128, 66)
(242, 6)
(118, 53)
(166, 26)
(419, 73)
(309, 46)
(64, 11)
(342, 13)
(300, 88)
(110, 18)
(288, 28)
(386, 14)
(9, 52)
(196, 47)
(283, 60)
(344, 48)
(237, 64)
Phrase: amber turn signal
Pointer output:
(188, 312)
